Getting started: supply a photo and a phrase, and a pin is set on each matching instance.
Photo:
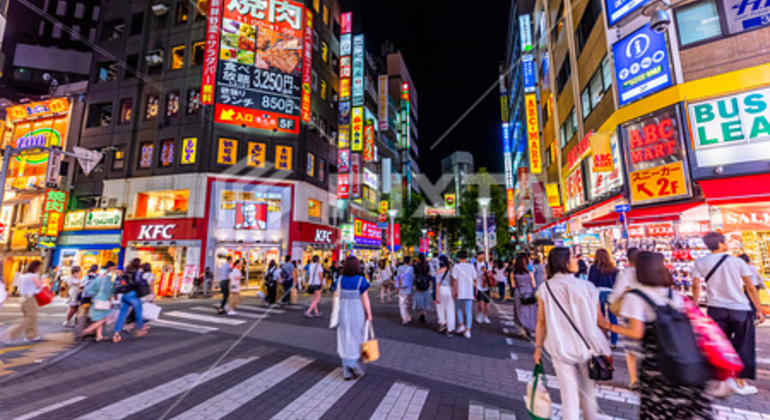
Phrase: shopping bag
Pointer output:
(538, 400)
(714, 345)
(3, 295)
(44, 296)
(370, 350)
(334, 319)
(150, 311)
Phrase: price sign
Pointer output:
(661, 182)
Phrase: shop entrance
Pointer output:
(168, 265)
(256, 259)
(85, 258)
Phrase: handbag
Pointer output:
(528, 299)
(716, 348)
(599, 367)
(370, 349)
(101, 304)
(150, 311)
(44, 296)
(538, 400)
(334, 318)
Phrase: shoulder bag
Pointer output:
(599, 367)
(101, 304)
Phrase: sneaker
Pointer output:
(318, 315)
(461, 329)
(450, 334)
(442, 329)
(486, 320)
(479, 319)
(744, 390)
(232, 313)
(35, 340)
(723, 389)
(467, 334)
(307, 315)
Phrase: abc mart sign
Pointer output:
(732, 130)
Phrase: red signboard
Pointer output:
(343, 186)
(347, 22)
(307, 66)
(54, 207)
(315, 233)
(557, 212)
(699, 228)
(211, 53)
(254, 118)
(636, 231)
(356, 169)
(538, 203)
(660, 229)
(369, 142)
(396, 233)
(654, 138)
(747, 217)
(153, 230)
(510, 203)
(251, 216)
(577, 152)
(366, 232)
(424, 245)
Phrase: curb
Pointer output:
(44, 365)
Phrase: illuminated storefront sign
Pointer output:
(189, 148)
(357, 130)
(343, 186)
(346, 20)
(601, 150)
(307, 66)
(641, 64)
(109, 218)
(283, 157)
(382, 106)
(227, 151)
(369, 141)
(742, 15)
(577, 153)
(343, 161)
(552, 193)
(533, 134)
(40, 109)
(530, 74)
(358, 70)
(259, 70)
(256, 156)
(525, 31)
(211, 53)
(618, 9)
(366, 233)
(53, 212)
(370, 178)
(356, 165)
(574, 190)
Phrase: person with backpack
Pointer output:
(271, 282)
(100, 292)
(404, 279)
(602, 274)
(730, 293)
(315, 280)
(484, 280)
(445, 303)
(127, 286)
(626, 281)
(287, 280)
(423, 282)
(673, 372)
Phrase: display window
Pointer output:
(162, 203)
(85, 258)
(168, 266)
(255, 258)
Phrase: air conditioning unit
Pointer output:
(154, 58)
(159, 9)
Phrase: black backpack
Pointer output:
(285, 275)
(125, 283)
(422, 282)
(142, 287)
(679, 357)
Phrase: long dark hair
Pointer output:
(651, 270)
(351, 267)
(603, 262)
(520, 266)
(558, 261)
(33, 266)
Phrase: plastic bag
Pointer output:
(538, 400)
(713, 344)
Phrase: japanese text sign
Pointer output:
(382, 106)
(369, 141)
(533, 134)
(658, 183)
(227, 152)
(641, 64)
(357, 129)
(343, 186)
(54, 206)
(528, 68)
(618, 9)
(346, 22)
(307, 66)
(660, 229)
(366, 232)
(356, 166)
(283, 157)
(189, 149)
(552, 193)
(577, 153)
(358, 70)
(742, 15)
(210, 54)
(40, 109)
(256, 155)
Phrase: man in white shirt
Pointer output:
(482, 289)
(404, 278)
(726, 278)
(626, 281)
(464, 275)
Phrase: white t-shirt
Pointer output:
(466, 275)
(384, 274)
(480, 275)
(725, 288)
(635, 307)
(625, 280)
(444, 279)
(235, 280)
(314, 272)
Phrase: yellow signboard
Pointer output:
(552, 192)
(283, 157)
(665, 181)
(602, 152)
(357, 129)
(256, 156)
(189, 150)
(533, 134)
(227, 152)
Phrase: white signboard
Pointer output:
(742, 15)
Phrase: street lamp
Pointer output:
(484, 203)
(425, 235)
(392, 213)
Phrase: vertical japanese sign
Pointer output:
(533, 133)
(602, 152)
(227, 151)
(256, 154)
(54, 205)
(357, 130)
(369, 141)
(355, 175)
(343, 161)
(189, 149)
(283, 157)
(259, 74)
(525, 28)
(346, 22)
(552, 193)
(343, 186)
(210, 54)
(382, 106)
(307, 66)
(538, 203)
(507, 156)
(358, 70)
(528, 68)
(310, 164)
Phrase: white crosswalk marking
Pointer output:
(52, 407)
(260, 309)
(205, 318)
(183, 326)
(230, 400)
(240, 314)
(143, 400)
(479, 412)
(317, 400)
(557, 414)
(401, 402)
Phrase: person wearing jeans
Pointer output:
(404, 277)
(224, 283)
(464, 290)
(128, 301)
(603, 274)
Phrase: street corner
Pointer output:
(20, 357)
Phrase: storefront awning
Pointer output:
(662, 213)
(579, 213)
(21, 198)
(737, 190)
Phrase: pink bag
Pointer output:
(716, 348)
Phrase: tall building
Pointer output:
(458, 165)
(402, 87)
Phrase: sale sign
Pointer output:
(533, 134)
(748, 217)
(658, 183)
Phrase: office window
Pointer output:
(41, 28)
(145, 155)
(547, 158)
(197, 53)
(586, 25)
(193, 100)
(113, 30)
(698, 22)
(151, 107)
(92, 35)
(126, 110)
(182, 12)
(132, 65)
(597, 87)
(558, 24)
(75, 34)
(61, 8)
(606, 72)
(177, 57)
(119, 159)
(563, 76)
(166, 153)
(172, 103)
(326, 15)
(568, 128)
(317, 5)
(323, 88)
(56, 33)
(95, 13)
(137, 23)
(106, 72)
(321, 170)
(80, 10)
(99, 115)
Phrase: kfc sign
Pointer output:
(156, 232)
(150, 230)
(324, 236)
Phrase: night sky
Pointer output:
(452, 50)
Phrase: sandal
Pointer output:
(117, 338)
(140, 333)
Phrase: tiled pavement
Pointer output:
(276, 364)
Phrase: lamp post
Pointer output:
(392, 213)
(484, 203)
(425, 235)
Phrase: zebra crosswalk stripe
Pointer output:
(205, 318)
(233, 398)
(317, 400)
(479, 412)
(143, 400)
(241, 314)
(183, 326)
(260, 309)
(401, 402)
(52, 407)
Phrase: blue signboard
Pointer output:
(622, 208)
(641, 64)
(528, 67)
(618, 9)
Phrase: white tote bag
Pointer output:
(150, 311)
(538, 400)
(334, 319)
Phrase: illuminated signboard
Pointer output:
(343, 161)
(641, 64)
(310, 164)
(533, 134)
(382, 106)
(259, 71)
(256, 154)
(370, 178)
(343, 114)
(356, 165)
(528, 68)
(307, 66)
(75, 220)
(618, 9)
(366, 233)
(357, 130)
(283, 157)
(369, 141)
(346, 22)
(525, 29)
(358, 70)
(40, 109)
(211, 53)
(552, 194)
(343, 186)
(53, 212)
(110, 218)
(189, 147)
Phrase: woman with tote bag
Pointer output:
(354, 313)
(30, 284)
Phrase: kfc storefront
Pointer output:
(172, 246)
(310, 239)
